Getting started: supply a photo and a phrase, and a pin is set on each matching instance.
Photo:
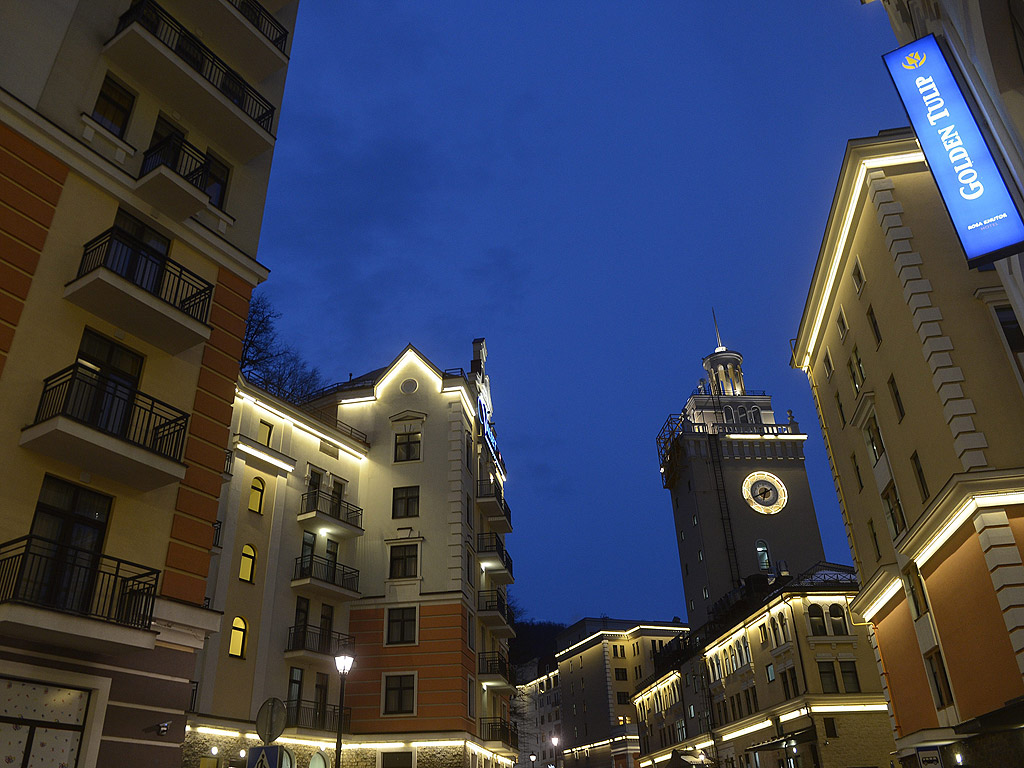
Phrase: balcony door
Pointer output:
(316, 479)
(320, 701)
(103, 394)
(138, 253)
(61, 563)
(326, 628)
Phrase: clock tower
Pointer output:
(740, 497)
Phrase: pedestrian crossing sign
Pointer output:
(264, 757)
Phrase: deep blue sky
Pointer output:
(579, 182)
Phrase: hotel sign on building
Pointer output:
(983, 212)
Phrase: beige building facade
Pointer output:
(369, 520)
(135, 149)
(914, 362)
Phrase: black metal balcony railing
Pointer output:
(496, 663)
(185, 159)
(151, 271)
(490, 542)
(332, 506)
(260, 18)
(318, 716)
(323, 569)
(494, 600)
(496, 729)
(47, 574)
(490, 489)
(318, 640)
(197, 56)
(80, 393)
(217, 527)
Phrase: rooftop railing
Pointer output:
(104, 403)
(332, 506)
(150, 270)
(198, 57)
(326, 570)
(47, 574)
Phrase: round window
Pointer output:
(409, 386)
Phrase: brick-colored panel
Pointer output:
(31, 206)
(24, 175)
(38, 158)
(908, 682)
(204, 454)
(22, 227)
(10, 309)
(196, 504)
(18, 254)
(203, 479)
(209, 430)
(6, 337)
(182, 586)
(185, 558)
(14, 280)
(233, 282)
(227, 343)
(218, 386)
(232, 302)
(223, 364)
(208, 405)
(230, 322)
(192, 531)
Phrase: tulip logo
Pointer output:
(914, 60)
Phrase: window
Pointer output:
(764, 561)
(922, 485)
(841, 324)
(816, 615)
(873, 322)
(113, 107)
(856, 472)
(938, 679)
(700, 555)
(915, 589)
(839, 407)
(837, 619)
(469, 451)
(401, 625)
(830, 728)
(856, 371)
(403, 561)
(769, 672)
(471, 696)
(897, 401)
(827, 364)
(216, 180)
(470, 567)
(707, 594)
(263, 433)
(471, 632)
(620, 673)
(874, 539)
(399, 694)
(621, 697)
(763, 630)
(785, 686)
(295, 684)
(827, 673)
(874, 439)
(893, 511)
(247, 568)
(851, 683)
(236, 644)
(407, 446)
(256, 495)
(405, 502)
(858, 277)
(792, 681)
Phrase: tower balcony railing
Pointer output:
(48, 574)
(496, 729)
(489, 489)
(148, 269)
(328, 504)
(198, 57)
(317, 716)
(326, 570)
(492, 552)
(493, 600)
(260, 18)
(309, 637)
(185, 159)
(495, 663)
(82, 394)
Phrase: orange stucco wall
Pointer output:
(908, 684)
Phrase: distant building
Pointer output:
(537, 708)
(136, 141)
(369, 520)
(915, 363)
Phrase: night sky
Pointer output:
(580, 183)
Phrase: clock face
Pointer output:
(764, 492)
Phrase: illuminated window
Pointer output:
(407, 446)
(113, 107)
(247, 568)
(405, 502)
(816, 614)
(263, 433)
(239, 631)
(764, 561)
(837, 619)
(256, 495)
(769, 672)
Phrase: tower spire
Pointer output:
(718, 336)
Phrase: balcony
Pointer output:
(258, 42)
(136, 288)
(315, 716)
(187, 77)
(491, 500)
(325, 510)
(501, 736)
(495, 673)
(326, 577)
(493, 558)
(74, 597)
(493, 612)
(96, 422)
(175, 177)
(309, 639)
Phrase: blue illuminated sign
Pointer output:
(984, 215)
(489, 437)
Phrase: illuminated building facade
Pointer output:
(135, 150)
(369, 520)
(740, 497)
(914, 361)
(537, 708)
(600, 662)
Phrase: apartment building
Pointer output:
(135, 149)
(370, 520)
(600, 661)
(537, 709)
(915, 364)
(781, 676)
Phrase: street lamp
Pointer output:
(554, 743)
(533, 759)
(344, 663)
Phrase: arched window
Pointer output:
(239, 631)
(755, 415)
(741, 413)
(785, 627)
(817, 616)
(837, 618)
(317, 760)
(764, 560)
(733, 659)
(247, 568)
(728, 414)
(776, 640)
(256, 495)
(287, 758)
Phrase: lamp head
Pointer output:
(554, 741)
(344, 663)
(533, 758)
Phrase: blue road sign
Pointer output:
(264, 757)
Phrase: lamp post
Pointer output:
(554, 743)
(344, 663)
